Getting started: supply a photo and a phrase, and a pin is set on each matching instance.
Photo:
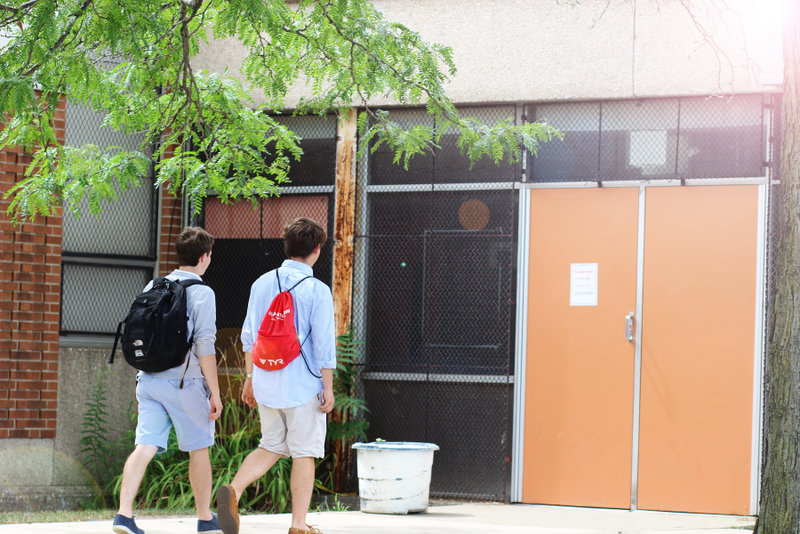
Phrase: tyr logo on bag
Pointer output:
(277, 345)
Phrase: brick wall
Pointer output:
(30, 301)
(171, 225)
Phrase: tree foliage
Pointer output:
(132, 60)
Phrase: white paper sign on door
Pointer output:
(583, 284)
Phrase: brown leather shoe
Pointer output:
(228, 509)
(311, 530)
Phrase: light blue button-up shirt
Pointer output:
(293, 385)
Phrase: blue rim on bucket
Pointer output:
(397, 446)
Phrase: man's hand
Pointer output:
(216, 407)
(328, 401)
(247, 393)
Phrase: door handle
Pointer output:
(629, 327)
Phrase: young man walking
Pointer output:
(292, 401)
(186, 396)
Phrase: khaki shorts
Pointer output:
(298, 432)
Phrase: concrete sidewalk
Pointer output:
(469, 518)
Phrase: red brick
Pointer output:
(27, 423)
(18, 413)
(50, 376)
(50, 336)
(27, 333)
(31, 355)
(31, 291)
(28, 316)
(28, 276)
(26, 394)
(20, 375)
(35, 267)
(30, 366)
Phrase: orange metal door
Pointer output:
(579, 374)
(698, 334)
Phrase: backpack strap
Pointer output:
(298, 283)
(305, 360)
(280, 289)
(187, 282)
(116, 340)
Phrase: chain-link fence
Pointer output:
(435, 271)
(106, 259)
(659, 139)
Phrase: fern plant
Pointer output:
(347, 422)
(101, 456)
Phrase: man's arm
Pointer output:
(247, 388)
(208, 365)
(328, 399)
(324, 337)
(205, 333)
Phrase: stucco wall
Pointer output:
(48, 473)
(543, 50)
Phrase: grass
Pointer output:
(61, 516)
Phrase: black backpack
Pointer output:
(155, 334)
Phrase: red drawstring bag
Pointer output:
(277, 345)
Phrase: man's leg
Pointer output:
(303, 470)
(200, 479)
(132, 475)
(253, 467)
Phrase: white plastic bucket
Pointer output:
(394, 477)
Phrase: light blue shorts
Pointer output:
(162, 404)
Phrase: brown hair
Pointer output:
(301, 236)
(192, 243)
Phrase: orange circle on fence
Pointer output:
(473, 215)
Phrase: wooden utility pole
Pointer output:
(345, 221)
(344, 241)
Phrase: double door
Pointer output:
(642, 348)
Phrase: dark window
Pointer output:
(652, 139)
(247, 243)
(446, 163)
